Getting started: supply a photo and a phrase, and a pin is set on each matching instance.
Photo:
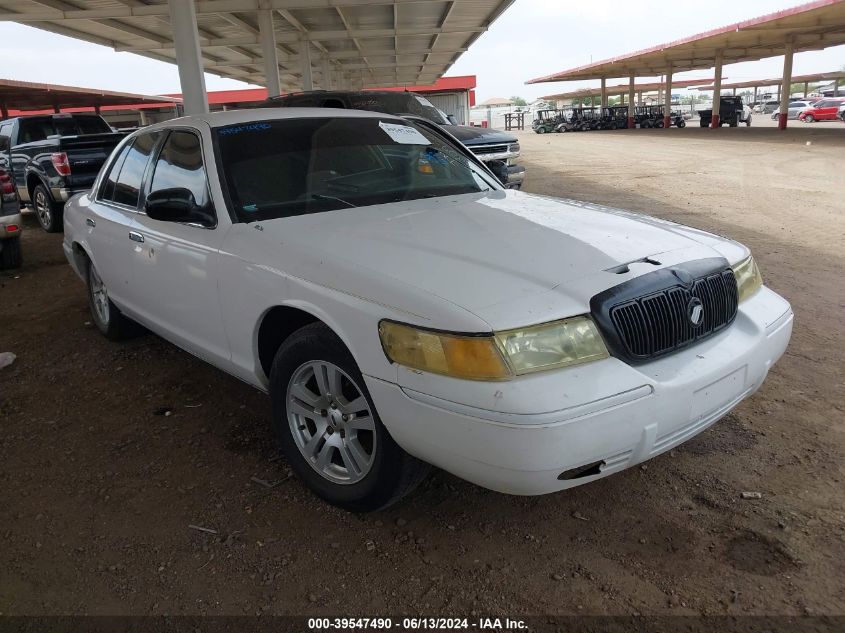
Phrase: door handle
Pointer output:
(90, 222)
(135, 236)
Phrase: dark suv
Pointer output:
(498, 150)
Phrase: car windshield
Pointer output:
(282, 168)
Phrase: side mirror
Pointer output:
(177, 205)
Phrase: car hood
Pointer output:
(506, 257)
(470, 136)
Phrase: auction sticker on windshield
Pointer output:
(403, 134)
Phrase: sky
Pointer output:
(533, 38)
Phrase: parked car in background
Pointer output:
(52, 157)
(402, 308)
(795, 108)
(498, 150)
(822, 110)
(766, 107)
(732, 112)
(11, 223)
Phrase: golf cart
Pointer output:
(546, 121)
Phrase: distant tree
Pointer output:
(519, 101)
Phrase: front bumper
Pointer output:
(608, 414)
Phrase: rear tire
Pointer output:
(48, 212)
(10, 256)
(355, 466)
(106, 316)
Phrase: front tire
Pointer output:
(10, 256)
(106, 316)
(48, 212)
(328, 427)
(809, 118)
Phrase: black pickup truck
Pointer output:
(498, 150)
(52, 157)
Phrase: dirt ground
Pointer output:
(99, 485)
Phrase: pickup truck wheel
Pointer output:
(328, 427)
(106, 316)
(10, 255)
(49, 213)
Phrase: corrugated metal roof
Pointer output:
(373, 43)
(812, 26)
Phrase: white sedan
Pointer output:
(403, 309)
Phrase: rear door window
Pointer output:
(33, 130)
(132, 163)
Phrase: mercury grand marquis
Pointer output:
(402, 309)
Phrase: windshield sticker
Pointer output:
(252, 127)
(404, 134)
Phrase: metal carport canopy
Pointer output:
(760, 83)
(622, 89)
(812, 26)
(289, 44)
(25, 95)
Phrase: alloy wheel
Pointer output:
(42, 208)
(100, 295)
(331, 422)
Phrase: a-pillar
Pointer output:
(305, 57)
(267, 35)
(717, 91)
(631, 102)
(186, 41)
(667, 107)
(783, 115)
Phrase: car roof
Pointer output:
(252, 115)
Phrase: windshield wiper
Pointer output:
(317, 196)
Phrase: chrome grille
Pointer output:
(490, 149)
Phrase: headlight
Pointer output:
(470, 357)
(514, 147)
(748, 278)
(552, 345)
(496, 357)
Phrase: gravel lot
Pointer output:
(110, 453)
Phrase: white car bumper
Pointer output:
(599, 418)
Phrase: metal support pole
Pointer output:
(631, 102)
(717, 91)
(186, 40)
(4, 111)
(603, 92)
(326, 77)
(667, 107)
(783, 116)
(267, 36)
(755, 95)
(806, 89)
(835, 88)
(640, 97)
(305, 55)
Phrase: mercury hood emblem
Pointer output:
(695, 311)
